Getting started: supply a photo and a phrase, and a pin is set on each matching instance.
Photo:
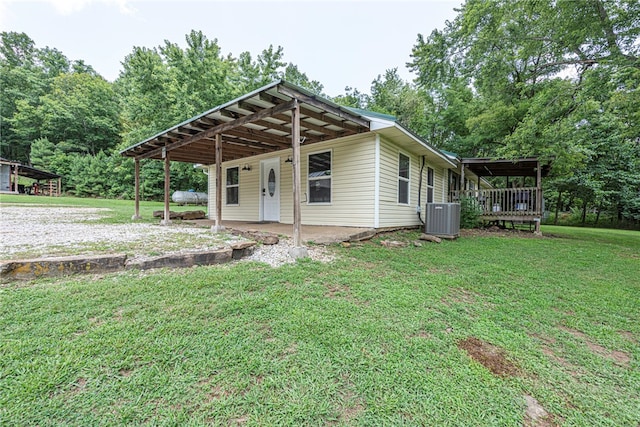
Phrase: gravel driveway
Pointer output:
(30, 231)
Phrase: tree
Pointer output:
(80, 112)
(545, 78)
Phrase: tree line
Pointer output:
(554, 79)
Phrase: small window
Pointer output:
(430, 178)
(404, 172)
(233, 186)
(320, 177)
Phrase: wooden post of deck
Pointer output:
(15, 179)
(136, 215)
(59, 186)
(218, 227)
(297, 251)
(167, 213)
(538, 199)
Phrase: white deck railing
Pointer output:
(500, 202)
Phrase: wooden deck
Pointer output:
(504, 204)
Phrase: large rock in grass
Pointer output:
(28, 269)
(216, 256)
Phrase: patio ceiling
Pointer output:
(501, 167)
(256, 123)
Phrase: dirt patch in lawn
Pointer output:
(536, 415)
(490, 356)
(494, 231)
(619, 357)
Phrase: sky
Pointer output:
(339, 43)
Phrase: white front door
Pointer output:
(270, 189)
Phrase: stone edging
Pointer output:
(28, 269)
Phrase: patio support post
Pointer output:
(15, 179)
(59, 186)
(538, 199)
(136, 215)
(218, 227)
(297, 251)
(167, 214)
(462, 186)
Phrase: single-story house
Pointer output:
(284, 154)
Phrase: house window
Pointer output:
(320, 177)
(430, 178)
(233, 186)
(404, 171)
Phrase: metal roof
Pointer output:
(30, 172)
(256, 123)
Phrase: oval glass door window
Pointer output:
(271, 184)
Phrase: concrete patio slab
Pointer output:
(319, 234)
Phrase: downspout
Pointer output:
(419, 208)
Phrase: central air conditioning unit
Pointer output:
(442, 219)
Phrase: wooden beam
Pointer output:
(313, 114)
(221, 128)
(324, 118)
(167, 215)
(261, 136)
(332, 134)
(218, 183)
(286, 119)
(295, 146)
(137, 190)
(538, 196)
(323, 106)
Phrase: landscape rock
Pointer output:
(258, 236)
(29, 269)
(242, 249)
(430, 238)
(186, 215)
(217, 256)
(393, 244)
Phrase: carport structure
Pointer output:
(275, 117)
(10, 171)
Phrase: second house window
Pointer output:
(320, 177)
(233, 186)
(403, 179)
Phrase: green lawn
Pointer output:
(374, 338)
(121, 211)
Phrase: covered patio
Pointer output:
(276, 117)
(512, 203)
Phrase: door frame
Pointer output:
(273, 162)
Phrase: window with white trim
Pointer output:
(404, 174)
(430, 179)
(233, 186)
(319, 178)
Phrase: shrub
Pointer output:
(470, 211)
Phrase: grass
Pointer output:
(119, 211)
(371, 339)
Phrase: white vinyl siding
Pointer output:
(393, 214)
(352, 185)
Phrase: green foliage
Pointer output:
(470, 211)
(550, 79)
